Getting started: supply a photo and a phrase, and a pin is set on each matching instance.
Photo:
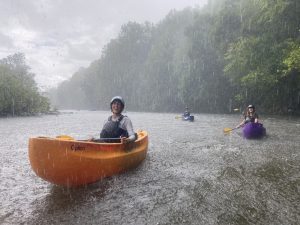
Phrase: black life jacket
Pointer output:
(186, 114)
(111, 129)
(251, 119)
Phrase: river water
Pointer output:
(193, 174)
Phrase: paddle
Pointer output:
(178, 117)
(67, 137)
(106, 139)
(228, 130)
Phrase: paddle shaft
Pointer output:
(227, 130)
(94, 140)
(106, 139)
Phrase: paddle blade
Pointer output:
(227, 130)
(65, 137)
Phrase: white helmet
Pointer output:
(118, 98)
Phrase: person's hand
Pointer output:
(124, 140)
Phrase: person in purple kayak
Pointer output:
(250, 115)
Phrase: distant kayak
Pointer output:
(188, 118)
(254, 130)
(70, 162)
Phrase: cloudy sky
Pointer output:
(60, 36)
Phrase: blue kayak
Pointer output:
(188, 118)
(254, 130)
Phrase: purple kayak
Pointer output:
(254, 130)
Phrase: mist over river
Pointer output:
(193, 173)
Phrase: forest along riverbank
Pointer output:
(193, 174)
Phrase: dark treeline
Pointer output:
(226, 55)
(19, 94)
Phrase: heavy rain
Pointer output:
(150, 112)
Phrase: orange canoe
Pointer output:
(65, 161)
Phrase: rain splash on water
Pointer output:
(193, 174)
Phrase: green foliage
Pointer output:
(258, 62)
(292, 60)
(18, 92)
(228, 54)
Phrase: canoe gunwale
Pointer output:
(76, 163)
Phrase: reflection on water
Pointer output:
(193, 174)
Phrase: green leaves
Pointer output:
(262, 60)
(18, 92)
(292, 60)
(230, 52)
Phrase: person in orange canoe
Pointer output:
(118, 125)
(250, 116)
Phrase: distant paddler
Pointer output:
(186, 113)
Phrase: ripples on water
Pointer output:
(193, 174)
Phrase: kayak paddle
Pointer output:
(67, 137)
(227, 130)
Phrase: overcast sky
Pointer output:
(60, 36)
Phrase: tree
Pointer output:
(19, 94)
